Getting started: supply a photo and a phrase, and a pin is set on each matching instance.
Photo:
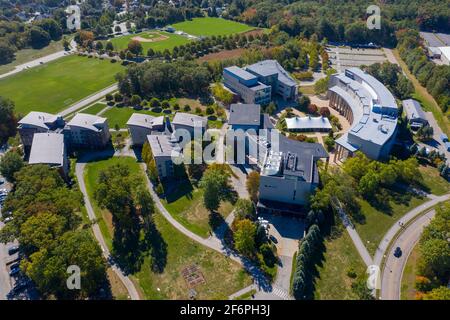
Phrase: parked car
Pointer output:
(14, 272)
(397, 252)
(2, 180)
(8, 219)
(13, 250)
(15, 265)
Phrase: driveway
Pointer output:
(436, 143)
(393, 270)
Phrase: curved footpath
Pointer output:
(393, 270)
(79, 170)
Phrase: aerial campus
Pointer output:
(224, 150)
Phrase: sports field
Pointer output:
(157, 40)
(54, 86)
(210, 26)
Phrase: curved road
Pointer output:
(79, 169)
(393, 270)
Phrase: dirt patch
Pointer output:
(222, 55)
(158, 38)
(256, 32)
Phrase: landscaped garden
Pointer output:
(210, 26)
(222, 276)
(55, 86)
(171, 255)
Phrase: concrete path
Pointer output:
(40, 61)
(393, 270)
(79, 171)
(88, 100)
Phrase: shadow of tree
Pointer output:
(155, 241)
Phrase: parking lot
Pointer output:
(347, 57)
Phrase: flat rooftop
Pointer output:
(162, 146)
(87, 121)
(245, 114)
(189, 120)
(47, 148)
(241, 73)
(39, 119)
(267, 68)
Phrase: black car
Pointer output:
(13, 250)
(397, 252)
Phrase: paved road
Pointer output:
(382, 247)
(5, 280)
(132, 291)
(89, 100)
(393, 270)
(39, 61)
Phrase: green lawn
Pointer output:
(174, 252)
(340, 256)
(90, 177)
(29, 54)
(172, 41)
(409, 276)
(210, 26)
(185, 204)
(222, 275)
(433, 182)
(54, 86)
(120, 116)
(95, 108)
(378, 222)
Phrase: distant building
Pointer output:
(49, 148)
(37, 122)
(271, 73)
(246, 85)
(260, 82)
(308, 124)
(87, 131)
(289, 176)
(189, 122)
(141, 125)
(371, 110)
(414, 113)
(163, 149)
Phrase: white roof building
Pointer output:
(308, 124)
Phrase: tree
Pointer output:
(440, 293)
(244, 237)
(369, 184)
(135, 100)
(215, 187)
(38, 37)
(252, 185)
(6, 52)
(135, 47)
(435, 259)
(425, 133)
(312, 109)
(98, 46)
(329, 143)
(155, 103)
(303, 102)
(244, 209)
(8, 121)
(324, 112)
(109, 46)
(11, 163)
(321, 86)
(117, 29)
(357, 166)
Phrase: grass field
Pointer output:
(55, 86)
(222, 275)
(95, 108)
(172, 41)
(409, 276)
(26, 55)
(210, 26)
(188, 209)
(340, 257)
(378, 222)
(433, 182)
(120, 116)
(90, 177)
